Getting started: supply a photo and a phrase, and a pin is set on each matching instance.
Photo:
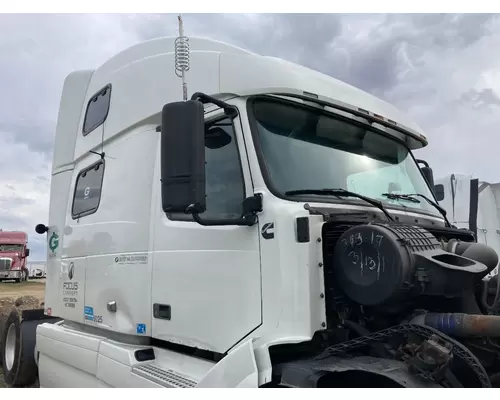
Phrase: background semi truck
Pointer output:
(265, 225)
(14, 253)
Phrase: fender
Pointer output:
(263, 357)
(368, 372)
(237, 370)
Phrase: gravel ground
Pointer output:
(26, 295)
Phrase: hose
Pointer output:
(481, 253)
(484, 297)
(494, 306)
(357, 328)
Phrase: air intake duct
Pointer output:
(475, 251)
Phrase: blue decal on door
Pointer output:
(88, 313)
(141, 328)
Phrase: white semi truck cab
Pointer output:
(272, 229)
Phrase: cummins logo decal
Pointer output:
(268, 230)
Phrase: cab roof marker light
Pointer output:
(378, 116)
(309, 94)
(339, 105)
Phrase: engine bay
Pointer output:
(409, 296)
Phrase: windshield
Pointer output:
(304, 148)
(11, 247)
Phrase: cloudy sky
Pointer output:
(444, 70)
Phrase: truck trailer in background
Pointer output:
(13, 256)
(36, 269)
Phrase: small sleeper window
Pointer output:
(97, 110)
(88, 190)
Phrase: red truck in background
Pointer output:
(13, 256)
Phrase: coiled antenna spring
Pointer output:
(182, 57)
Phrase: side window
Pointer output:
(97, 110)
(88, 188)
(225, 189)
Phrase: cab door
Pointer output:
(206, 288)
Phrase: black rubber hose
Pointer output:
(484, 296)
(357, 328)
(460, 247)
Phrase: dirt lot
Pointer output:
(31, 288)
(26, 295)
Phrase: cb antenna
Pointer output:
(182, 57)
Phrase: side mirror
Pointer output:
(183, 157)
(427, 172)
(439, 192)
(27, 253)
(41, 229)
(429, 176)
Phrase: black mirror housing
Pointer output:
(27, 253)
(182, 156)
(429, 176)
(41, 229)
(427, 172)
(439, 192)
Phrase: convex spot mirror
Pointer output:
(216, 138)
(429, 176)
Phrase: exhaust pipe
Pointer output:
(461, 325)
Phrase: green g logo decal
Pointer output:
(53, 242)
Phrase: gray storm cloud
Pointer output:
(438, 68)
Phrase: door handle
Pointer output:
(111, 306)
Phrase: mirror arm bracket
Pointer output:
(426, 164)
(251, 206)
(206, 99)
(203, 98)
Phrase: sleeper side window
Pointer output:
(97, 110)
(88, 189)
(225, 188)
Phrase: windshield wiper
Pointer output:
(410, 197)
(341, 193)
(397, 196)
